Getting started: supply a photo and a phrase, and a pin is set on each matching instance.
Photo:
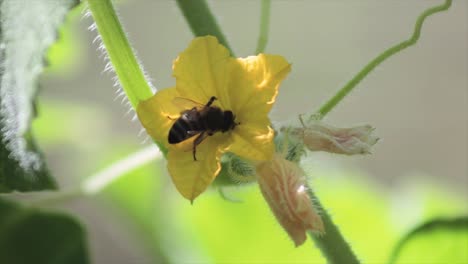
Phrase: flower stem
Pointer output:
(264, 26)
(332, 244)
(97, 182)
(121, 55)
(330, 104)
(201, 20)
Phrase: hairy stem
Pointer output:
(332, 102)
(121, 56)
(264, 26)
(333, 245)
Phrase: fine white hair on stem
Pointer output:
(92, 27)
(120, 95)
(130, 111)
(85, 12)
(142, 132)
(109, 67)
(143, 135)
(96, 39)
(116, 84)
(109, 70)
(145, 140)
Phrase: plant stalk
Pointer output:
(264, 26)
(122, 58)
(202, 21)
(345, 90)
(332, 244)
(95, 183)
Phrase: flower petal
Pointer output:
(283, 186)
(254, 83)
(318, 136)
(191, 177)
(158, 114)
(201, 71)
(253, 141)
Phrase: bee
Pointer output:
(201, 121)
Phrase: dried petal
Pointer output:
(318, 136)
(283, 186)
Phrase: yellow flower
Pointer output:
(245, 86)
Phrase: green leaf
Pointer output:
(441, 240)
(27, 29)
(32, 236)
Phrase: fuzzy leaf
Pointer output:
(27, 29)
(33, 236)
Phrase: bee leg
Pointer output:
(194, 151)
(210, 102)
(196, 142)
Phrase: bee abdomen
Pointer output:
(180, 131)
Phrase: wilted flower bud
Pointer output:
(318, 136)
(283, 186)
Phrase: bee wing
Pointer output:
(192, 133)
(200, 136)
(186, 104)
(188, 145)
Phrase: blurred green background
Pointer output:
(417, 100)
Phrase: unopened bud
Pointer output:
(318, 136)
(283, 185)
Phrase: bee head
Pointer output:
(228, 122)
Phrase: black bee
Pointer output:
(201, 120)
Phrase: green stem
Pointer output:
(99, 181)
(196, 12)
(95, 183)
(264, 26)
(121, 55)
(330, 104)
(332, 245)
(201, 20)
(53, 198)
